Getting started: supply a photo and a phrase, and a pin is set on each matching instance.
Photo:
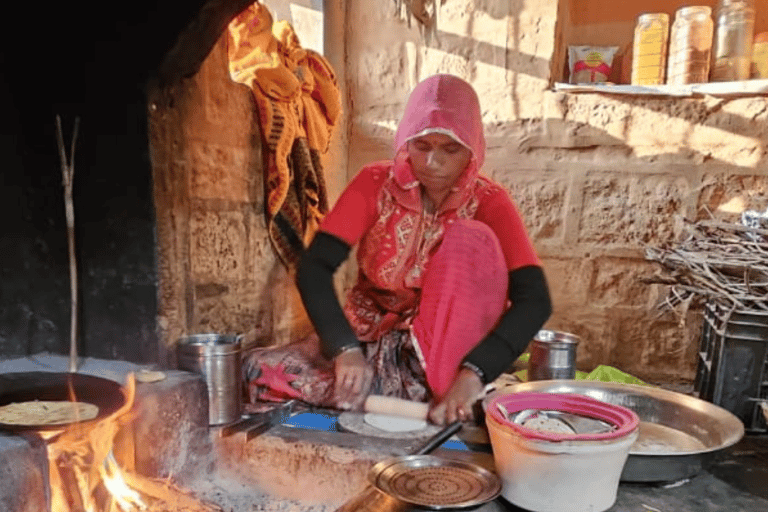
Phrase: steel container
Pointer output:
(217, 358)
(553, 356)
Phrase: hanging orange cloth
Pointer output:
(299, 103)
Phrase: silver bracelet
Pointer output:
(475, 369)
(347, 348)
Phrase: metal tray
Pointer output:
(434, 482)
(689, 429)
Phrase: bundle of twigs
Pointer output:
(717, 262)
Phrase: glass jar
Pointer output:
(760, 56)
(690, 46)
(649, 50)
(732, 52)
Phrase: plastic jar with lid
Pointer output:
(760, 56)
(732, 50)
(649, 51)
(690, 46)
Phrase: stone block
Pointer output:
(568, 280)
(234, 308)
(632, 210)
(541, 199)
(23, 474)
(218, 241)
(654, 347)
(312, 467)
(617, 282)
(220, 171)
(728, 194)
(171, 426)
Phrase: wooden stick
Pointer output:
(68, 171)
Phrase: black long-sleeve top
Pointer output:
(528, 293)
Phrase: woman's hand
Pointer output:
(353, 379)
(458, 402)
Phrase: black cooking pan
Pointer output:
(106, 394)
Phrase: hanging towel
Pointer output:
(299, 103)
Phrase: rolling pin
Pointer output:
(396, 407)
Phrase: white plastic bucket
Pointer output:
(545, 472)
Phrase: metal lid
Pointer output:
(693, 10)
(211, 342)
(556, 337)
(653, 16)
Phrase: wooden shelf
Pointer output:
(756, 87)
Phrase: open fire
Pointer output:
(91, 469)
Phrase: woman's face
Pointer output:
(437, 161)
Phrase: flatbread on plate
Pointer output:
(42, 412)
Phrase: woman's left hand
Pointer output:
(458, 402)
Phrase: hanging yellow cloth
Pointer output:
(299, 104)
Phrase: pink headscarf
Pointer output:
(444, 103)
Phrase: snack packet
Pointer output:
(590, 64)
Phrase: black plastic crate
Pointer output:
(733, 362)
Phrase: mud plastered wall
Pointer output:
(597, 177)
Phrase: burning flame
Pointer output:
(126, 498)
(85, 475)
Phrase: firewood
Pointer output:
(717, 262)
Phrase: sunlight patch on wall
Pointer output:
(735, 205)
(308, 24)
(387, 124)
(671, 134)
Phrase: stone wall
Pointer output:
(597, 177)
(218, 272)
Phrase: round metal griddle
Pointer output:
(105, 394)
(434, 482)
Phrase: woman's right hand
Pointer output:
(353, 379)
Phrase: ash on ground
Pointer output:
(232, 495)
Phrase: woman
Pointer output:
(449, 289)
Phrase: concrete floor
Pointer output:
(736, 479)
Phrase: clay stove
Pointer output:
(286, 468)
